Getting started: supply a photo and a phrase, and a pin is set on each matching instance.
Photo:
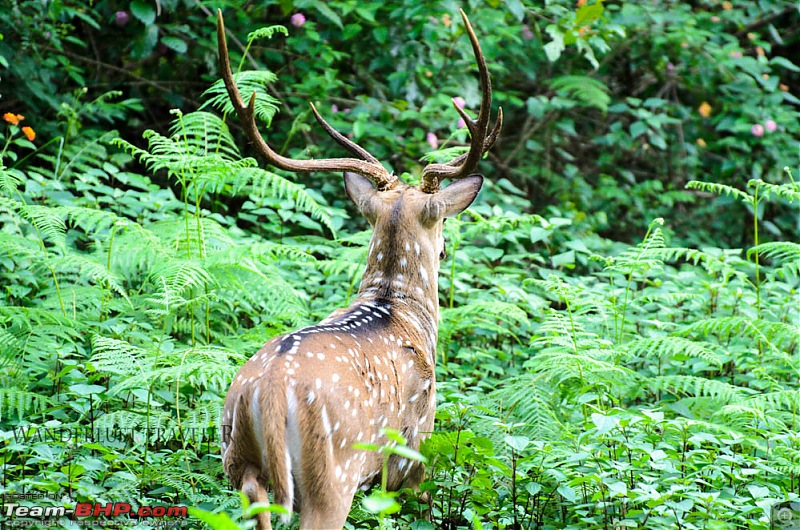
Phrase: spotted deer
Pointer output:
(296, 408)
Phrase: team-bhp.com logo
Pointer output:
(87, 509)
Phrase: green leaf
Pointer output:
(567, 492)
(86, 390)
(638, 128)
(381, 502)
(217, 521)
(587, 14)
(517, 443)
(328, 13)
(517, 9)
(604, 423)
(179, 45)
(554, 48)
(144, 11)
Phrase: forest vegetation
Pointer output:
(620, 320)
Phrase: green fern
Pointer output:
(586, 90)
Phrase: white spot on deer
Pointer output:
(293, 442)
(346, 404)
(423, 273)
(310, 397)
(336, 426)
(290, 371)
(338, 472)
(404, 262)
(407, 246)
(321, 356)
(342, 444)
(391, 337)
(414, 432)
(422, 419)
(318, 383)
(426, 385)
(380, 256)
(413, 398)
(335, 377)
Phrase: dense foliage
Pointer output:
(619, 335)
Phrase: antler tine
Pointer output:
(343, 140)
(368, 166)
(463, 165)
(490, 140)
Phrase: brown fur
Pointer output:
(296, 408)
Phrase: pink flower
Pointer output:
(121, 18)
(736, 54)
(757, 130)
(461, 123)
(334, 108)
(770, 125)
(433, 20)
(432, 140)
(298, 19)
(527, 34)
(459, 101)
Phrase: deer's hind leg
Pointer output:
(256, 492)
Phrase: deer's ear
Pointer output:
(363, 194)
(453, 199)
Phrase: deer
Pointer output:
(295, 410)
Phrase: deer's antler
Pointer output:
(365, 165)
(481, 139)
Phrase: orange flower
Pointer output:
(704, 109)
(29, 133)
(701, 142)
(12, 118)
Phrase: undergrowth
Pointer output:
(583, 383)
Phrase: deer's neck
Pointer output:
(404, 275)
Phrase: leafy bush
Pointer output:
(588, 376)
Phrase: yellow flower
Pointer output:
(727, 6)
(29, 133)
(701, 142)
(12, 118)
(704, 109)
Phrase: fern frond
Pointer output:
(249, 82)
(688, 385)
(524, 399)
(584, 89)
(789, 190)
(268, 184)
(672, 347)
(719, 189)
(22, 402)
(48, 221)
(786, 253)
(500, 318)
